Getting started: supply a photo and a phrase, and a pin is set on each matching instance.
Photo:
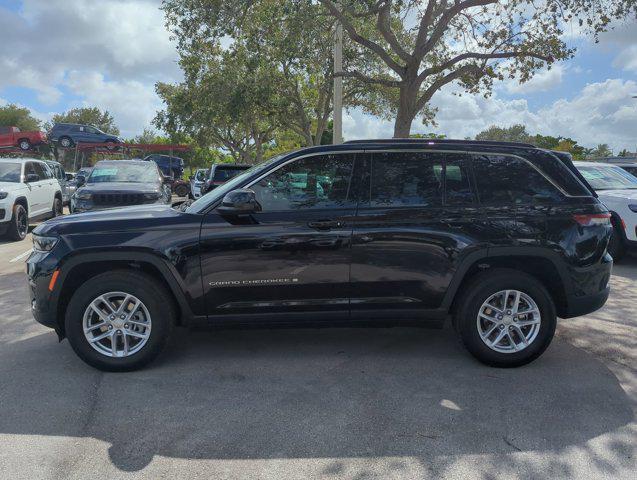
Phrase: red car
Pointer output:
(13, 137)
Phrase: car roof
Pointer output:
(125, 162)
(21, 160)
(436, 141)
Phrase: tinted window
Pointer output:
(223, 174)
(503, 180)
(314, 182)
(410, 178)
(41, 170)
(457, 180)
(4, 130)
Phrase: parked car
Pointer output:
(119, 183)
(220, 173)
(63, 180)
(197, 181)
(505, 237)
(629, 167)
(13, 137)
(70, 134)
(28, 193)
(618, 190)
(71, 184)
(169, 166)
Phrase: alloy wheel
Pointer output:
(117, 324)
(508, 321)
(22, 223)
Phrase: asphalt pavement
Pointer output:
(358, 404)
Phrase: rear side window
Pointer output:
(5, 130)
(504, 180)
(402, 179)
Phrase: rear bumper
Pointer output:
(589, 288)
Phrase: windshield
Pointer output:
(10, 172)
(608, 178)
(123, 173)
(200, 176)
(219, 192)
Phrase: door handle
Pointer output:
(325, 224)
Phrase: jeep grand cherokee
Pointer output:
(503, 238)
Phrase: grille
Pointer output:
(118, 198)
(2, 212)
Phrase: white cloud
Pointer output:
(602, 112)
(540, 82)
(133, 104)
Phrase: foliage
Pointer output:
(87, 116)
(600, 151)
(14, 116)
(423, 46)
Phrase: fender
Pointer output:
(167, 271)
(509, 252)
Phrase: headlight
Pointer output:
(44, 244)
(3, 195)
(633, 208)
(82, 195)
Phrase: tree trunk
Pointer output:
(406, 111)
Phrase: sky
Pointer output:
(61, 54)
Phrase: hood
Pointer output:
(10, 186)
(119, 187)
(617, 195)
(142, 217)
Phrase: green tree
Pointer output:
(424, 46)
(600, 151)
(87, 116)
(624, 153)
(514, 133)
(227, 99)
(14, 116)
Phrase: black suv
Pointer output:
(118, 183)
(504, 237)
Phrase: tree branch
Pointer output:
(383, 24)
(366, 42)
(364, 78)
(442, 81)
(477, 56)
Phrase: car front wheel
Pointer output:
(119, 321)
(505, 318)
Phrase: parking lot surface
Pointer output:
(319, 403)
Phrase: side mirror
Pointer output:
(32, 177)
(80, 180)
(240, 201)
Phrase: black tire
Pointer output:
(19, 225)
(153, 295)
(24, 144)
(478, 291)
(182, 190)
(616, 246)
(65, 142)
(57, 207)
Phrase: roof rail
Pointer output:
(442, 141)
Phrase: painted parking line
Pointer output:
(21, 256)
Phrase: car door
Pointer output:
(293, 256)
(6, 137)
(36, 194)
(409, 237)
(49, 185)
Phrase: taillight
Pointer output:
(592, 219)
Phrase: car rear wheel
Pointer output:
(66, 142)
(24, 144)
(19, 226)
(119, 321)
(505, 318)
(182, 190)
(57, 207)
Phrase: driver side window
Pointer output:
(318, 182)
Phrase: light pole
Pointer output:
(337, 128)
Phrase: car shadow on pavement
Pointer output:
(318, 393)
